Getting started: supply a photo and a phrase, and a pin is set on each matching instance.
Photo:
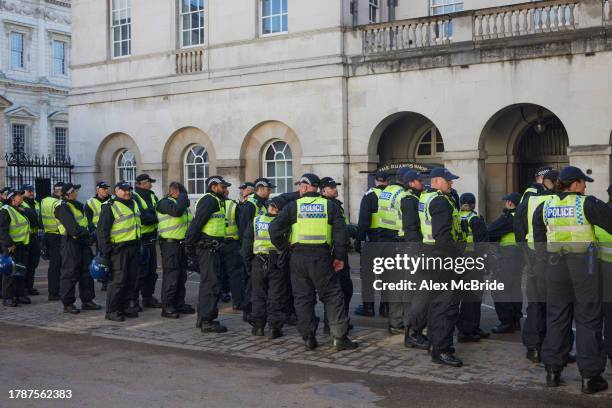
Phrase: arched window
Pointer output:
(126, 167)
(196, 169)
(430, 144)
(278, 166)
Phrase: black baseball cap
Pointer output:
(59, 184)
(381, 176)
(467, 198)
(247, 184)
(68, 188)
(551, 175)
(123, 185)
(571, 173)
(442, 172)
(412, 175)
(329, 182)
(102, 184)
(264, 182)
(27, 187)
(309, 178)
(514, 197)
(212, 180)
(277, 202)
(542, 171)
(144, 177)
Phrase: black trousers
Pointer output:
(76, 257)
(312, 273)
(443, 315)
(269, 295)
(147, 271)
(470, 310)
(34, 251)
(508, 302)
(606, 279)
(123, 278)
(209, 291)
(12, 286)
(53, 243)
(232, 270)
(534, 326)
(346, 285)
(174, 265)
(573, 293)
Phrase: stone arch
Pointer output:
(108, 151)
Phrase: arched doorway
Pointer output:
(519, 139)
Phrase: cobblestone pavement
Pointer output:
(493, 361)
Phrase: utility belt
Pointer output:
(119, 245)
(162, 239)
(210, 244)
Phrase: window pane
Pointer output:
(284, 22)
(290, 169)
(266, 26)
(276, 5)
(270, 170)
(426, 138)
(276, 22)
(285, 6)
(280, 169)
(266, 7)
(424, 149)
(199, 187)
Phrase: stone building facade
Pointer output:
(492, 89)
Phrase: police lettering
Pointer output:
(311, 208)
(385, 195)
(560, 212)
(262, 226)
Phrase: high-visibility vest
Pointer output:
(400, 222)
(147, 229)
(33, 228)
(231, 229)
(567, 226)
(508, 238)
(95, 206)
(388, 212)
(261, 242)
(466, 218)
(312, 226)
(529, 190)
(259, 209)
(215, 226)
(425, 217)
(78, 216)
(19, 228)
(532, 204)
(170, 227)
(375, 220)
(47, 214)
(126, 225)
(604, 244)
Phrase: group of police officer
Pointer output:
(277, 255)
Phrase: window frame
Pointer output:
(435, 139)
(64, 59)
(181, 28)
(23, 50)
(373, 4)
(26, 134)
(186, 166)
(111, 29)
(265, 161)
(55, 144)
(453, 3)
(261, 19)
(118, 168)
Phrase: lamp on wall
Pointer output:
(539, 124)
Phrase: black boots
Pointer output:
(33, 292)
(415, 340)
(533, 355)
(310, 343)
(212, 327)
(467, 337)
(553, 378)
(366, 309)
(132, 309)
(257, 331)
(344, 343)
(503, 328)
(594, 384)
(151, 302)
(72, 309)
(186, 309)
(115, 317)
(91, 305)
(446, 358)
(395, 330)
(170, 312)
(275, 333)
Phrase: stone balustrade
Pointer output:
(190, 60)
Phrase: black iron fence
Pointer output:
(40, 171)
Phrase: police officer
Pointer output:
(92, 212)
(15, 237)
(119, 242)
(468, 323)
(508, 303)
(147, 275)
(268, 273)
(317, 229)
(52, 240)
(370, 229)
(329, 189)
(231, 265)
(534, 329)
(565, 221)
(76, 251)
(204, 236)
(32, 211)
(246, 189)
(604, 242)
(442, 233)
(174, 217)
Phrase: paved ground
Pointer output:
(496, 366)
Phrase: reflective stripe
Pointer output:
(311, 237)
(175, 227)
(19, 227)
(116, 232)
(570, 228)
(120, 216)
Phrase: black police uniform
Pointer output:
(76, 256)
(123, 259)
(311, 271)
(53, 245)
(508, 303)
(174, 259)
(206, 248)
(231, 266)
(13, 288)
(34, 245)
(147, 272)
(93, 228)
(573, 293)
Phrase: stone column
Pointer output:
(357, 181)
(594, 160)
(4, 103)
(469, 166)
